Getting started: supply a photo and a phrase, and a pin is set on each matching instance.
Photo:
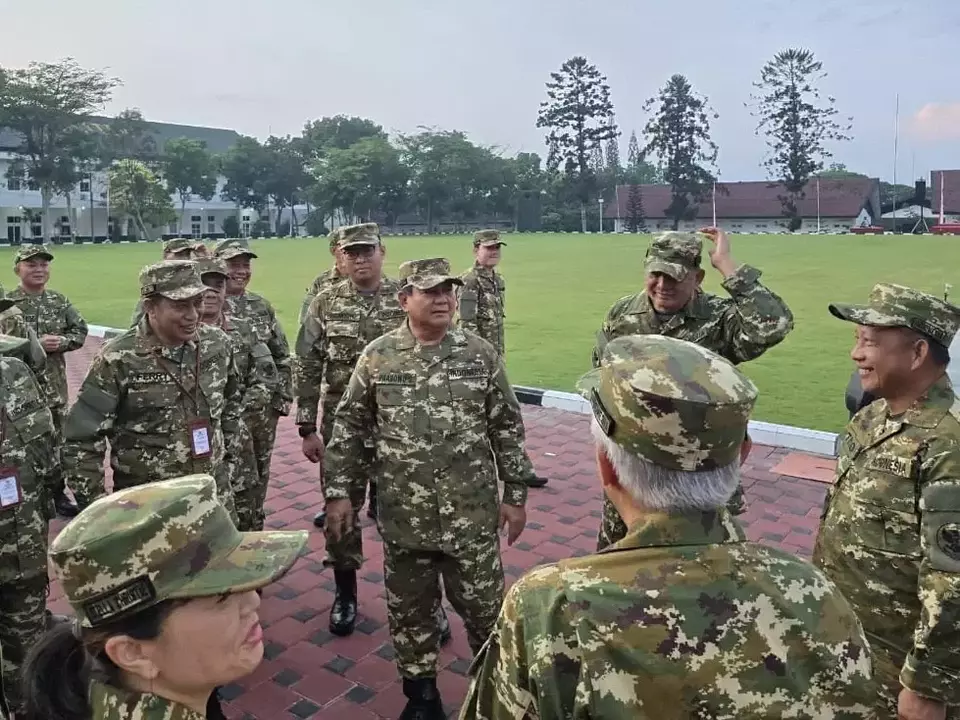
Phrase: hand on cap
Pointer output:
(720, 256)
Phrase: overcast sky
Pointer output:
(480, 67)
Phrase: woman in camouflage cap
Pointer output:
(164, 590)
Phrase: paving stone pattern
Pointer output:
(308, 673)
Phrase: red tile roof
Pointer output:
(951, 191)
(839, 198)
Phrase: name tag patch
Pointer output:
(466, 372)
(135, 594)
(154, 378)
(397, 378)
(891, 464)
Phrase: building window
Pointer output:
(172, 228)
(14, 183)
(32, 185)
(85, 185)
(245, 229)
(195, 229)
(246, 218)
(13, 220)
(211, 227)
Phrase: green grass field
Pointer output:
(560, 286)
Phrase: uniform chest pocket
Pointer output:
(396, 403)
(887, 529)
(343, 340)
(163, 395)
(468, 394)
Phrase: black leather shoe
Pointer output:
(444, 622)
(343, 614)
(320, 519)
(65, 507)
(372, 502)
(423, 700)
(535, 481)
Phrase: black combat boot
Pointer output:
(372, 502)
(64, 506)
(444, 624)
(423, 700)
(320, 519)
(535, 481)
(343, 614)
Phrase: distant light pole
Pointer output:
(601, 214)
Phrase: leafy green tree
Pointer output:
(798, 122)
(136, 192)
(189, 169)
(679, 134)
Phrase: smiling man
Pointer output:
(165, 395)
(739, 328)
(890, 530)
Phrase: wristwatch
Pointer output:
(306, 430)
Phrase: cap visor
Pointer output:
(675, 270)
(259, 559)
(357, 243)
(431, 281)
(238, 252)
(44, 255)
(865, 315)
(184, 293)
(588, 383)
(493, 243)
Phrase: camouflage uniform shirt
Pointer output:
(131, 399)
(482, 304)
(255, 367)
(110, 703)
(13, 323)
(263, 318)
(25, 445)
(327, 277)
(51, 313)
(889, 538)
(340, 322)
(446, 425)
(741, 328)
(683, 618)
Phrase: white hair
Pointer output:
(658, 488)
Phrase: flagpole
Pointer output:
(896, 149)
(714, 203)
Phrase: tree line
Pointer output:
(347, 169)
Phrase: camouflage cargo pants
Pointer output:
(250, 492)
(23, 622)
(347, 552)
(263, 430)
(56, 480)
(613, 529)
(474, 585)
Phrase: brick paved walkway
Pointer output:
(308, 673)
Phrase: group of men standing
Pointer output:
(404, 403)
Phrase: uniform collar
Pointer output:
(484, 270)
(455, 337)
(926, 412)
(147, 342)
(674, 530)
(110, 703)
(697, 308)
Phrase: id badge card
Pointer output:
(200, 439)
(11, 494)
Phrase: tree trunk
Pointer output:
(183, 211)
(430, 216)
(45, 210)
(583, 216)
(141, 228)
(71, 215)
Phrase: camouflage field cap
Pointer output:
(332, 236)
(162, 541)
(211, 266)
(353, 235)
(673, 402)
(892, 305)
(487, 238)
(33, 251)
(674, 254)
(179, 245)
(173, 279)
(426, 274)
(233, 247)
(10, 343)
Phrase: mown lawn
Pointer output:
(560, 286)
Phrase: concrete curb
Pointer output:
(816, 442)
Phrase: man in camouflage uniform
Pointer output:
(446, 425)
(481, 302)
(26, 507)
(175, 249)
(258, 379)
(165, 395)
(327, 277)
(683, 617)
(890, 529)
(739, 328)
(60, 329)
(242, 303)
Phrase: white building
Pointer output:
(87, 212)
(832, 205)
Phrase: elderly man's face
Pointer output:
(431, 308)
(885, 358)
(668, 295)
